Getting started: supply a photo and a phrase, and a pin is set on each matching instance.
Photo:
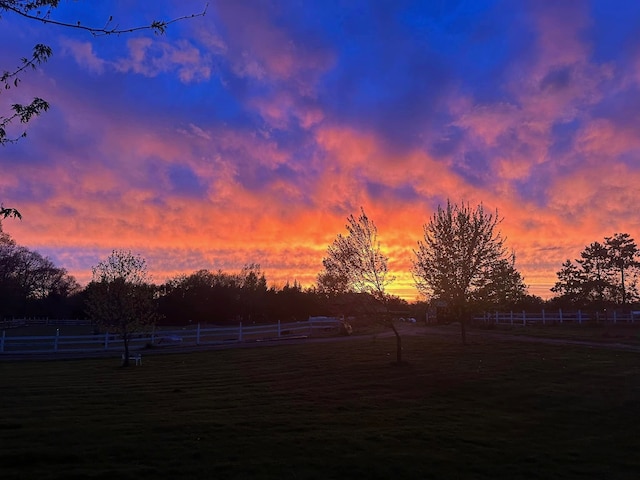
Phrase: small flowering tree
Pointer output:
(120, 297)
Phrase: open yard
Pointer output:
(493, 409)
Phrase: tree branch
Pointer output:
(158, 26)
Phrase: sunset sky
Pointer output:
(249, 135)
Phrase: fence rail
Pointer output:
(543, 317)
(193, 336)
(25, 322)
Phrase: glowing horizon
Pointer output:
(251, 134)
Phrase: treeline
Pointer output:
(605, 275)
(32, 286)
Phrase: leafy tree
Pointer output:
(462, 255)
(500, 285)
(356, 264)
(120, 297)
(595, 272)
(570, 283)
(605, 273)
(200, 297)
(292, 303)
(253, 291)
(29, 282)
(623, 256)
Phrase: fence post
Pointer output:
(2, 342)
(278, 328)
(55, 342)
(497, 317)
(543, 319)
(106, 340)
(524, 319)
(615, 317)
(579, 317)
(240, 332)
(560, 313)
(511, 313)
(198, 335)
(153, 335)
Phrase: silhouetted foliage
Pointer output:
(355, 264)
(30, 284)
(499, 286)
(606, 274)
(462, 259)
(120, 298)
(8, 212)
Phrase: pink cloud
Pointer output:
(147, 56)
(262, 51)
(84, 55)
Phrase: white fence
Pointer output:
(24, 322)
(192, 336)
(557, 317)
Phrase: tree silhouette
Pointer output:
(355, 264)
(457, 256)
(605, 273)
(120, 298)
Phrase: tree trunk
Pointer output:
(463, 329)
(398, 343)
(125, 341)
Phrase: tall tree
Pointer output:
(253, 291)
(355, 264)
(597, 280)
(460, 251)
(605, 273)
(570, 283)
(500, 285)
(623, 255)
(30, 282)
(120, 297)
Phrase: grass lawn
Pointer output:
(592, 332)
(493, 409)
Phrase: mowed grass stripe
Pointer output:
(493, 409)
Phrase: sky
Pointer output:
(250, 134)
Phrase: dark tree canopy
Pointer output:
(355, 262)
(30, 284)
(462, 256)
(605, 274)
(121, 297)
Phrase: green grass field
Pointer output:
(492, 409)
